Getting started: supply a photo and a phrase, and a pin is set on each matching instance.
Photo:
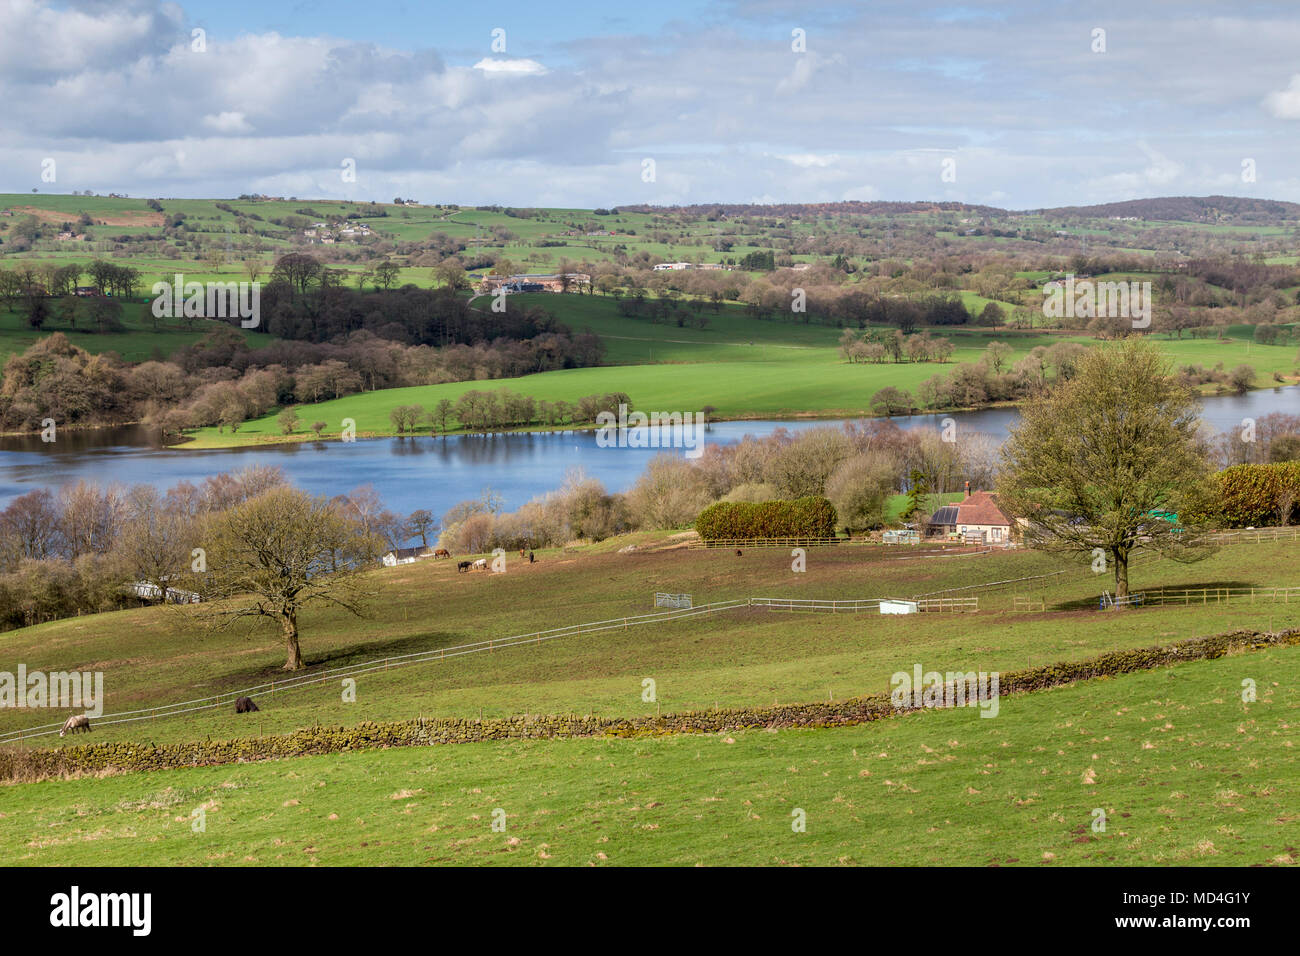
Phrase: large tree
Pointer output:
(156, 539)
(1106, 461)
(279, 552)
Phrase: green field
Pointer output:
(142, 340)
(1183, 770)
(742, 658)
(743, 367)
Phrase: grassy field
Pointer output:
(141, 340)
(749, 657)
(743, 367)
(1184, 772)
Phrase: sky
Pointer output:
(580, 103)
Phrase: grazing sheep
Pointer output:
(245, 705)
(75, 723)
(463, 565)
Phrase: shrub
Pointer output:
(1256, 494)
(801, 518)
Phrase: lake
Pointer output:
(435, 473)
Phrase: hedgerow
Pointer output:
(1257, 494)
(810, 517)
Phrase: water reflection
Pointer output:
(436, 472)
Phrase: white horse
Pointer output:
(75, 723)
(480, 564)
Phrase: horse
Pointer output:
(480, 564)
(245, 705)
(442, 553)
(462, 566)
(75, 723)
(532, 558)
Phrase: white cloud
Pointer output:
(227, 122)
(806, 160)
(515, 67)
(118, 95)
(1285, 104)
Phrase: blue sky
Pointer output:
(1017, 104)
(455, 28)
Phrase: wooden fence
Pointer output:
(1223, 595)
(932, 605)
(805, 604)
(953, 604)
(1254, 535)
(768, 542)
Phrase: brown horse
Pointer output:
(442, 553)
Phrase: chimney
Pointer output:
(968, 489)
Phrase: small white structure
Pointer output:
(898, 607)
(152, 592)
(405, 556)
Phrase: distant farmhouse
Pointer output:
(976, 519)
(405, 556)
(152, 592)
(680, 266)
(538, 282)
(330, 233)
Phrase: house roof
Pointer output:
(945, 515)
(981, 507)
(408, 552)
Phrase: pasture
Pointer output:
(1184, 771)
(142, 338)
(155, 656)
(745, 368)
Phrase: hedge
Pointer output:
(20, 766)
(1257, 494)
(798, 518)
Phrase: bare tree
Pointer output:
(273, 555)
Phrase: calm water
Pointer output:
(435, 473)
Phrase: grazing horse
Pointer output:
(442, 553)
(480, 564)
(75, 723)
(737, 552)
(462, 565)
(245, 705)
(532, 558)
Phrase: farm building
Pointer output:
(538, 282)
(405, 556)
(152, 592)
(975, 519)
